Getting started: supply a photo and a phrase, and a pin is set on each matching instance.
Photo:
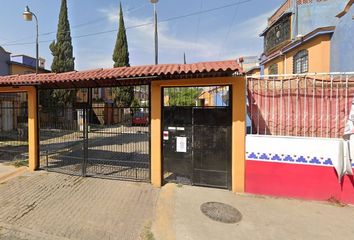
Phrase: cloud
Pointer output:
(168, 42)
(254, 26)
(243, 40)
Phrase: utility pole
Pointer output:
(155, 33)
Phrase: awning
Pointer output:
(124, 75)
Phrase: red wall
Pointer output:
(297, 181)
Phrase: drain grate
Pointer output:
(221, 212)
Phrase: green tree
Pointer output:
(123, 95)
(63, 61)
(135, 106)
(62, 49)
(183, 96)
(121, 53)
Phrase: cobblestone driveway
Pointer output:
(45, 205)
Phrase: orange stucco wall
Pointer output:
(238, 85)
(319, 56)
(33, 161)
(254, 72)
(280, 63)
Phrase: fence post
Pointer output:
(46, 158)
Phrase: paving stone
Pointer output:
(43, 204)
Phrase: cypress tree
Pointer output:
(62, 49)
(121, 54)
(123, 95)
(63, 61)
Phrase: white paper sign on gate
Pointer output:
(165, 135)
(181, 143)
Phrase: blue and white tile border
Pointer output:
(290, 159)
(295, 150)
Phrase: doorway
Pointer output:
(197, 136)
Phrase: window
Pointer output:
(278, 33)
(273, 69)
(301, 62)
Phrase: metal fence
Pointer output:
(98, 138)
(13, 127)
(308, 105)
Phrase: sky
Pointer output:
(223, 34)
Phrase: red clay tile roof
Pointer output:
(125, 75)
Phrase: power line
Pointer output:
(205, 11)
(97, 20)
(198, 23)
(229, 29)
(26, 43)
(82, 36)
(144, 24)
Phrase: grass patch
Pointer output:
(334, 201)
(146, 233)
(22, 177)
(14, 143)
(20, 163)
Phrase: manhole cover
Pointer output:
(221, 212)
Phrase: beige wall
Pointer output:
(19, 69)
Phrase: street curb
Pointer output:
(13, 174)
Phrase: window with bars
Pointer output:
(301, 62)
(273, 69)
(278, 33)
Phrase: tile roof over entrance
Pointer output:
(124, 75)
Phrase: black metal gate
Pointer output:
(14, 128)
(97, 139)
(197, 140)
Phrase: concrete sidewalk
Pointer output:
(178, 216)
(42, 205)
(8, 171)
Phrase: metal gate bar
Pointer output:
(97, 140)
(200, 117)
(14, 128)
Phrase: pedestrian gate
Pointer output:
(197, 138)
(14, 128)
